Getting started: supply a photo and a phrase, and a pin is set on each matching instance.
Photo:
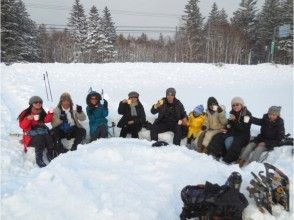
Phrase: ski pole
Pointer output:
(45, 86)
(49, 86)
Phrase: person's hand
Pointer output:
(158, 104)
(232, 117)
(124, 101)
(180, 122)
(131, 122)
(62, 116)
(219, 109)
(51, 110)
(203, 127)
(30, 117)
(79, 108)
(105, 105)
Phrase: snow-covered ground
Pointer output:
(125, 178)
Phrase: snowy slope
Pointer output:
(124, 178)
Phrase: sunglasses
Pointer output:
(234, 105)
(38, 102)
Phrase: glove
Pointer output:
(62, 116)
(203, 127)
(219, 109)
(105, 105)
(79, 109)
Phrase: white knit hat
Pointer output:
(237, 100)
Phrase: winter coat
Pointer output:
(215, 120)
(76, 116)
(169, 113)
(97, 117)
(27, 126)
(195, 124)
(271, 132)
(125, 110)
(238, 128)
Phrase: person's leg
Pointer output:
(208, 136)
(102, 131)
(177, 129)
(157, 129)
(235, 150)
(248, 149)
(216, 146)
(134, 130)
(228, 142)
(57, 135)
(38, 143)
(49, 146)
(123, 132)
(78, 134)
(260, 148)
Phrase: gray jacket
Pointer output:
(76, 117)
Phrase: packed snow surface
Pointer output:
(119, 178)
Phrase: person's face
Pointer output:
(237, 107)
(37, 105)
(272, 116)
(94, 100)
(65, 104)
(134, 99)
(170, 98)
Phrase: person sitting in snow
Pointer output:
(214, 123)
(230, 142)
(97, 111)
(65, 123)
(196, 119)
(35, 133)
(133, 115)
(272, 132)
(171, 117)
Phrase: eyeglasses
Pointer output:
(93, 98)
(38, 102)
(234, 105)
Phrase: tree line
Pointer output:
(251, 36)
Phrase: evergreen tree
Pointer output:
(192, 29)
(18, 33)
(109, 52)
(78, 25)
(96, 39)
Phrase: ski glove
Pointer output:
(105, 104)
(79, 109)
(62, 116)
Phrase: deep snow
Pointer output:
(125, 178)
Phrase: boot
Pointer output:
(49, 154)
(241, 162)
(39, 159)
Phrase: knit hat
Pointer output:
(237, 100)
(65, 96)
(34, 99)
(275, 110)
(198, 110)
(211, 101)
(133, 94)
(171, 91)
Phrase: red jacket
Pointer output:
(27, 124)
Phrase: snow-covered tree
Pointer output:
(18, 33)
(192, 29)
(109, 51)
(96, 39)
(78, 25)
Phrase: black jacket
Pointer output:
(271, 132)
(238, 128)
(125, 110)
(163, 111)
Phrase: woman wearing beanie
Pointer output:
(230, 143)
(97, 111)
(214, 123)
(196, 119)
(35, 133)
(133, 115)
(272, 132)
(66, 123)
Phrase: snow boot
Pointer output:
(50, 155)
(39, 159)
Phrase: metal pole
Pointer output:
(45, 86)
(49, 87)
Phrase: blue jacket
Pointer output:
(97, 117)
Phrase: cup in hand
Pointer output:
(36, 117)
(129, 101)
(214, 108)
(246, 118)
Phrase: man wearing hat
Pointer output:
(171, 117)
(272, 132)
(66, 123)
(133, 115)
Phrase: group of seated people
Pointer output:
(207, 131)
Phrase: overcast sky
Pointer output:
(160, 12)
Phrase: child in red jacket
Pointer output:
(35, 133)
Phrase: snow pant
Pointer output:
(75, 132)
(101, 132)
(163, 127)
(40, 143)
(255, 149)
(216, 147)
(132, 129)
(208, 136)
(235, 149)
